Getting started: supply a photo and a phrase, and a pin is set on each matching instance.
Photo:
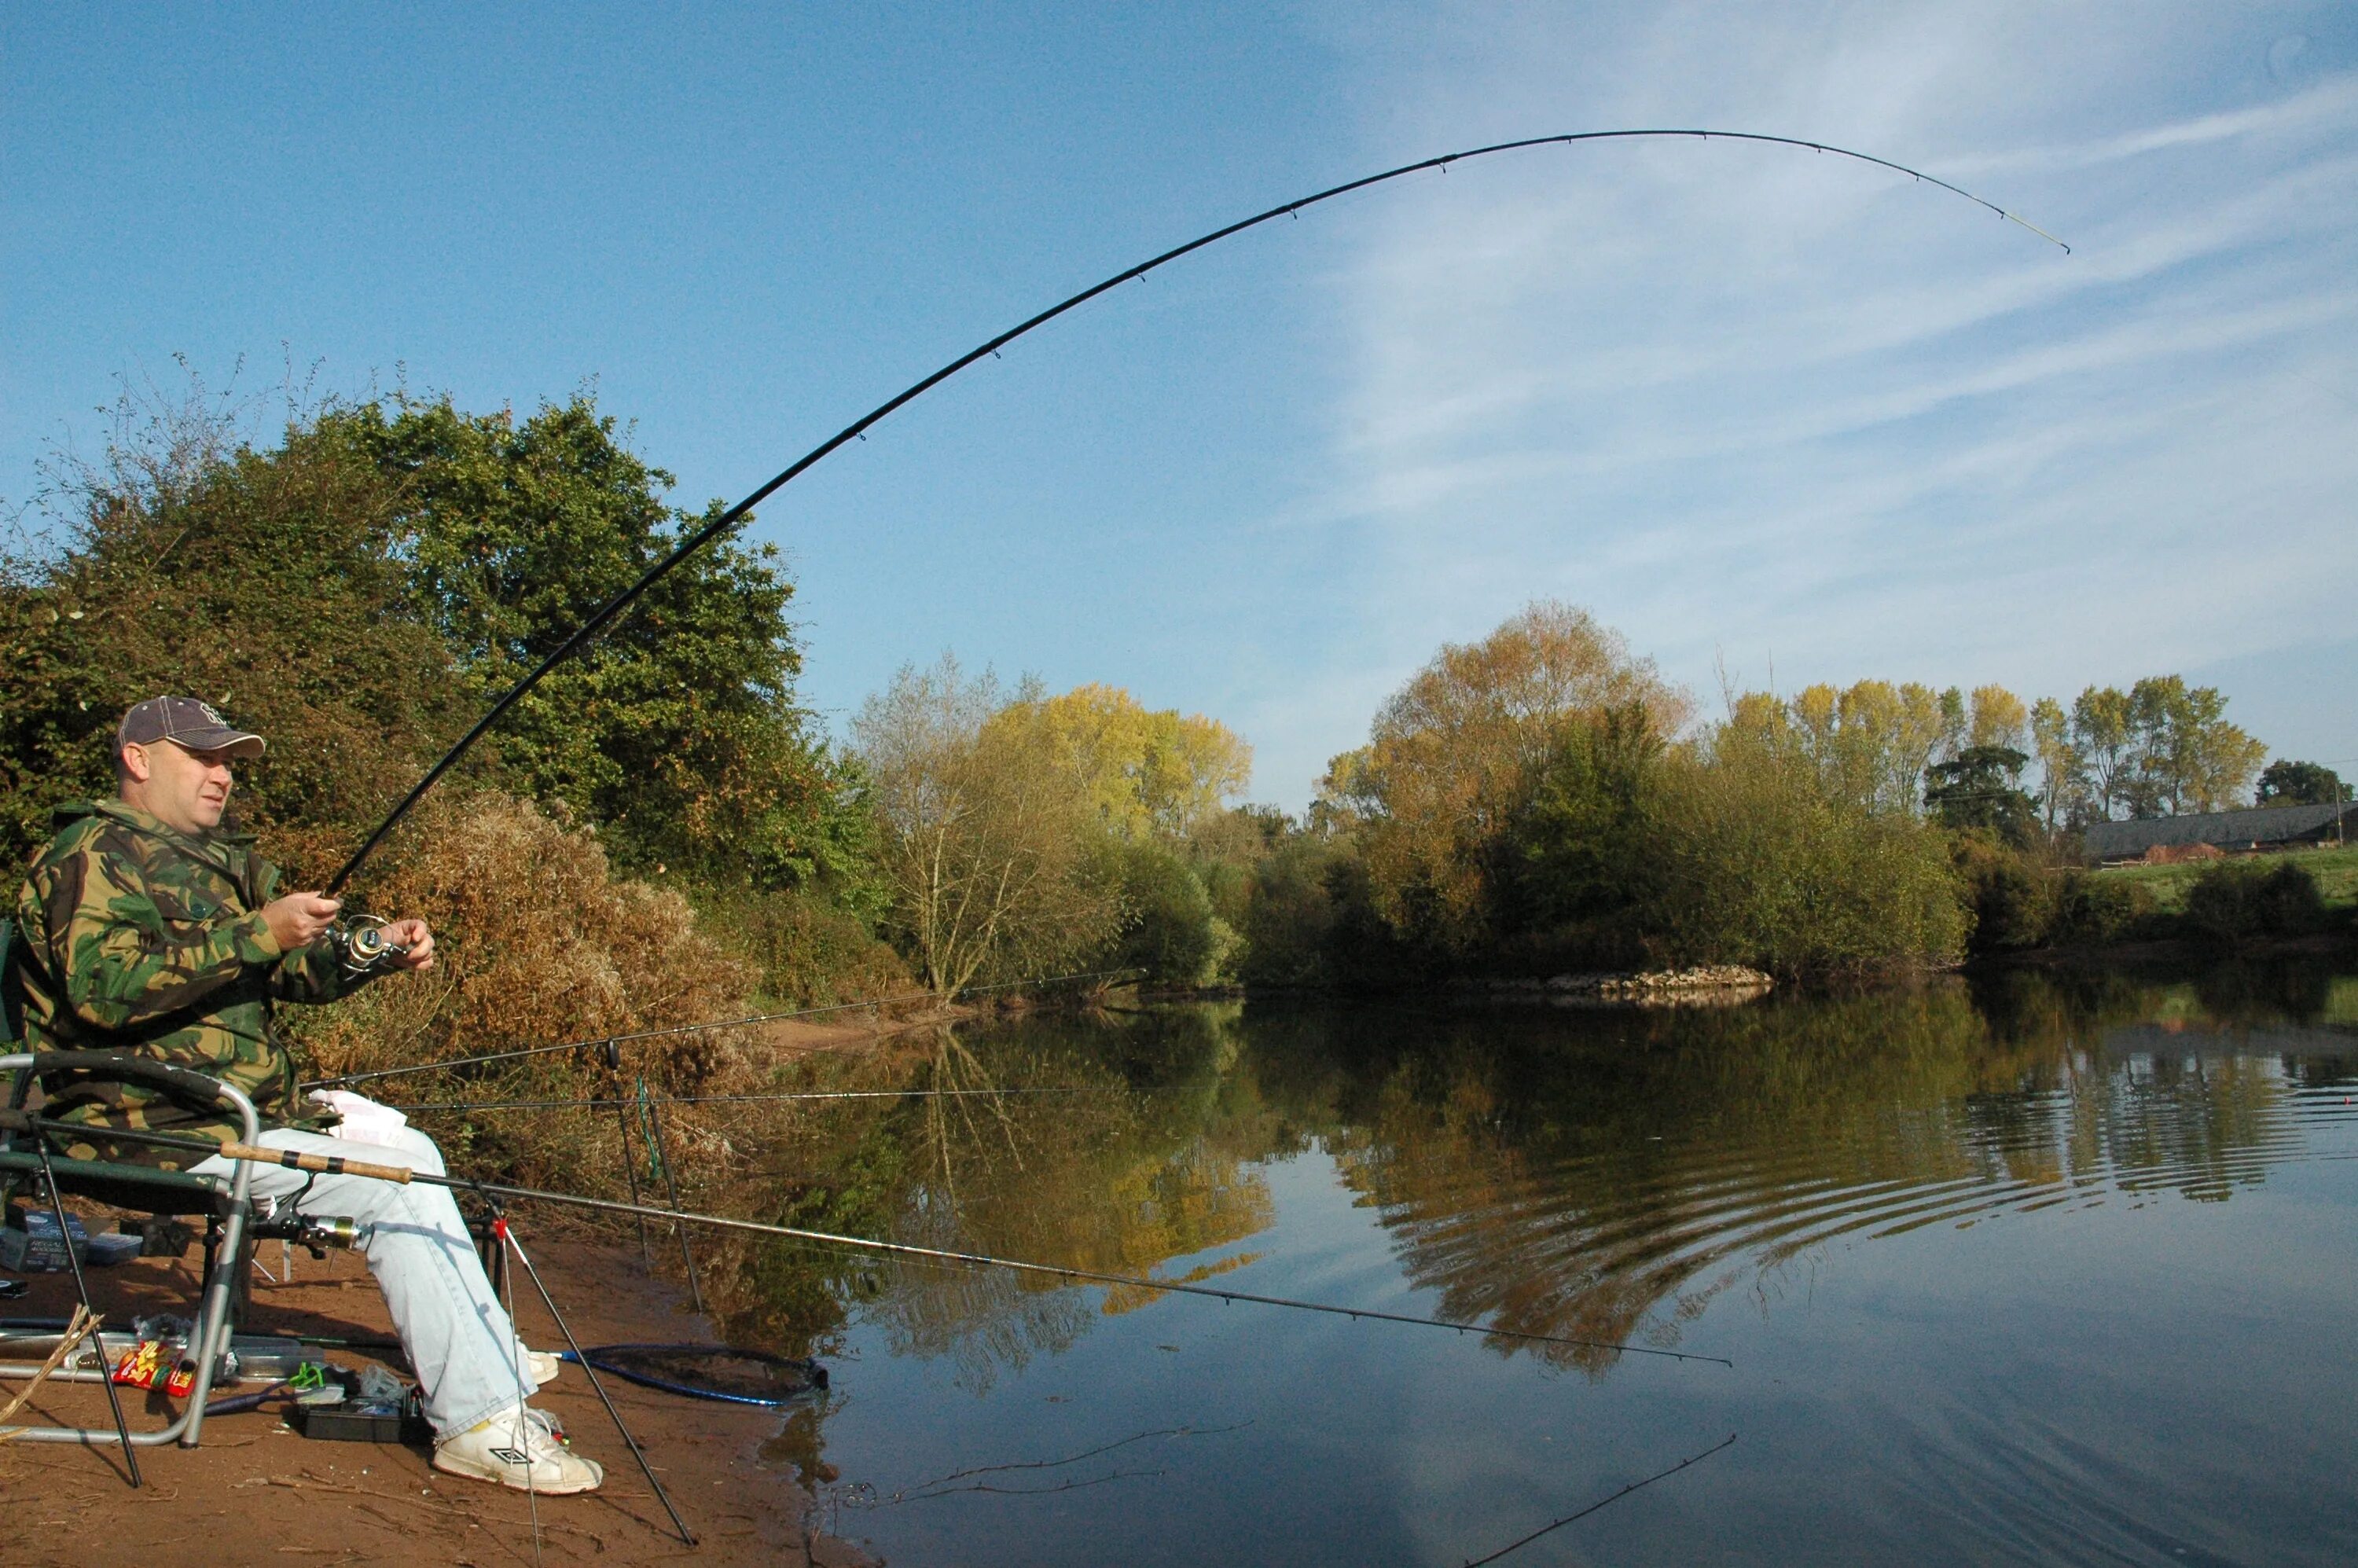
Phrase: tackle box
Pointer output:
(364, 1421)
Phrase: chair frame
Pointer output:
(216, 1313)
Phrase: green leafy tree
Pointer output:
(1290, 914)
(1977, 788)
(1170, 931)
(2285, 783)
(1577, 849)
(265, 581)
(677, 730)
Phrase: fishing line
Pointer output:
(609, 1041)
(488, 1191)
(858, 428)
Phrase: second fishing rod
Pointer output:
(494, 1191)
(608, 1043)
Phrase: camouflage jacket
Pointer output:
(136, 939)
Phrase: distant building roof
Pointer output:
(2262, 825)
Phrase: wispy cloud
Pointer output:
(2327, 107)
(1751, 402)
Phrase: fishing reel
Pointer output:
(313, 1233)
(361, 946)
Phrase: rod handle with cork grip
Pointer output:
(322, 1164)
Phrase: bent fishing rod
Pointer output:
(341, 1165)
(858, 428)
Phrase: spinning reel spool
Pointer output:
(362, 947)
(313, 1233)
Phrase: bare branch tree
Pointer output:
(991, 850)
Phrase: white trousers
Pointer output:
(460, 1341)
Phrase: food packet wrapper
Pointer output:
(151, 1364)
(364, 1121)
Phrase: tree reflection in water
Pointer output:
(1593, 1174)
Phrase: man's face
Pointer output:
(182, 788)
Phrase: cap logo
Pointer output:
(211, 714)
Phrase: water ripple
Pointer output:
(1622, 1241)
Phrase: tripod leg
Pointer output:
(671, 1186)
(507, 1232)
(630, 1172)
(82, 1289)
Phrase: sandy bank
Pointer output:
(256, 1492)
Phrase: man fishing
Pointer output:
(149, 929)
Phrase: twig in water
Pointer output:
(940, 1485)
(1085, 1454)
(1029, 1491)
(1601, 1502)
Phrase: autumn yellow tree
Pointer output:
(1454, 753)
(1147, 772)
(988, 838)
(1871, 742)
(2062, 767)
(1999, 719)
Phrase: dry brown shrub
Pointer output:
(537, 943)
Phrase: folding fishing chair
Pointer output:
(222, 1201)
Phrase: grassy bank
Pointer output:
(2334, 871)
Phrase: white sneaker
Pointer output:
(540, 1366)
(518, 1448)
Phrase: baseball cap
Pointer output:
(192, 725)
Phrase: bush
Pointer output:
(1761, 865)
(537, 943)
(2236, 900)
(2011, 896)
(1168, 927)
(806, 952)
(2090, 910)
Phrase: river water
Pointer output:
(2020, 1270)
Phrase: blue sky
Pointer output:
(1767, 413)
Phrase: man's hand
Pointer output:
(298, 919)
(412, 934)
